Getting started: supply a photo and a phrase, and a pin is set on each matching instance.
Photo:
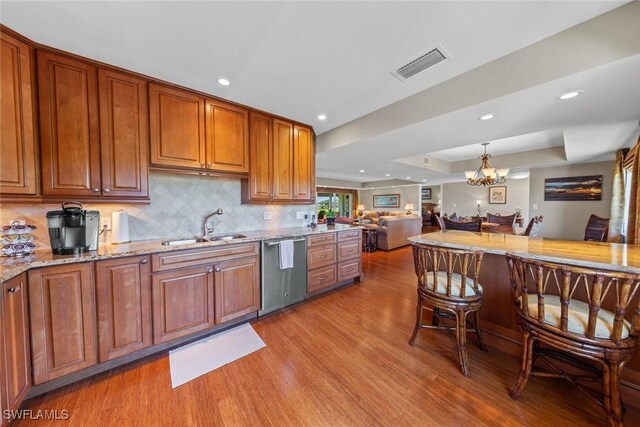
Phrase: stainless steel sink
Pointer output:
(184, 241)
(227, 237)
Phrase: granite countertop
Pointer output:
(610, 256)
(11, 267)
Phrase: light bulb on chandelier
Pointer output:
(486, 175)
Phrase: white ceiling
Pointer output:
(299, 59)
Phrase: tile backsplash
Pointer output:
(179, 203)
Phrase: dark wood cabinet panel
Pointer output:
(124, 306)
(16, 341)
(237, 288)
(17, 140)
(63, 320)
(260, 185)
(303, 164)
(282, 160)
(124, 135)
(227, 137)
(177, 127)
(69, 126)
(182, 302)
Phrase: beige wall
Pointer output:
(408, 194)
(567, 219)
(435, 193)
(464, 197)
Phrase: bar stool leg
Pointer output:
(418, 320)
(527, 362)
(461, 340)
(612, 400)
(476, 327)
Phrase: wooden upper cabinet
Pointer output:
(260, 158)
(69, 126)
(123, 293)
(177, 123)
(303, 164)
(17, 142)
(16, 339)
(124, 135)
(282, 160)
(63, 320)
(227, 137)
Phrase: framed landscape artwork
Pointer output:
(386, 201)
(498, 195)
(573, 188)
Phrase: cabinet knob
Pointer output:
(209, 165)
(210, 270)
(217, 268)
(144, 261)
(12, 290)
(202, 164)
(95, 190)
(106, 190)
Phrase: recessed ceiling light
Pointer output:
(387, 174)
(424, 180)
(361, 170)
(408, 177)
(569, 95)
(486, 117)
(223, 81)
(322, 117)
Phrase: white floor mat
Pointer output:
(200, 357)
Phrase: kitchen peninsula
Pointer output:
(498, 319)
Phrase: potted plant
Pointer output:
(331, 217)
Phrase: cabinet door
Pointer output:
(17, 141)
(182, 302)
(176, 119)
(124, 136)
(63, 320)
(260, 157)
(282, 160)
(237, 286)
(69, 129)
(16, 338)
(303, 164)
(124, 306)
(227, 130)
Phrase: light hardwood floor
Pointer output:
(338, 359)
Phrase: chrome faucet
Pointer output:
(206, 230)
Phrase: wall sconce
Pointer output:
(409, 207)
(479, 211)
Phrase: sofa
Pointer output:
(393, 228)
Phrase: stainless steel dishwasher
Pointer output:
(282, 287)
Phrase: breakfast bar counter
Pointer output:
(498, 319)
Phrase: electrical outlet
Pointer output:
(453, 205)
(267, 215)
(535, 206)
(300, 214)
(105, 222)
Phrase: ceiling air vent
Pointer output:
(427, 160)
(420, 64)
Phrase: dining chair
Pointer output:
(578, 314)
(448, 287)
(475, 225)
(597, 229)
(534, 227)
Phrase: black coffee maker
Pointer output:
(73, 230)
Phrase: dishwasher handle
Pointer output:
(277, 243)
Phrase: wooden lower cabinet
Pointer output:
(124, 306)
(182, 302)
(16, 341)
(237, 288)
(333, 258)
(63, 320)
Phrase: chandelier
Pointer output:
(486, 175)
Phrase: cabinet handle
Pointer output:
(144, 261)
(322, 277)
(95, 190)
(106, 190)
(209, 165)
(202, 164)
(210, 270)
(12, 290)
(322, 256)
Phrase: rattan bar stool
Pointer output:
(448, 287)
(576, 316)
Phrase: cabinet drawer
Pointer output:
(321, 278)
(191, 257)
(348, 235)
(319, 256)
(349, 269)
(321, 239)
(349, 250)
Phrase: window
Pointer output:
(340, 201)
